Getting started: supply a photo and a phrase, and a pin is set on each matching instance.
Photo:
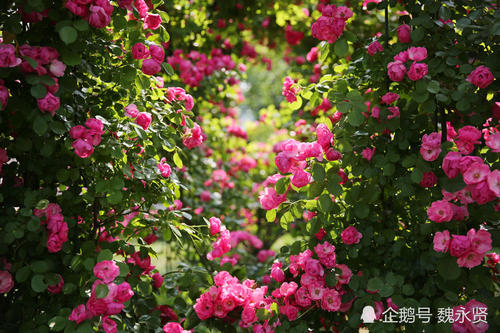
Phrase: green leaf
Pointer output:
(331, 279)
(355, 118)
(101, 291)
(343, 107)
(341, 47)
(271, 215)
(58, 323)
(375, 284)
(168, 69)
(38, 91)
(104, 255)
(433, 87)
(124, 269)
(71, 58)
(416, 176)
(40, 125)
(325, 203)
(408, 289)
(68, 34)
(297, 104)
(282, 185)
(38, 284)
(23, 273)
(81, 25)
(318, 172)
(39, 266)
(452, 185)
(167, 234)
(448, 268)
(286, 219)
(361, 210)
(177, 161)
(417, 35)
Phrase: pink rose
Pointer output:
(312, 55)
(54, 243)
(396, 71)
(151, 67)
(331, 300)
(173, 328)
(442, 241)
(324, 136)
(417, 71)
(429, 179)
(476, 173)
(269, 199)
(123, 292)
(164, 168)
(56, 289)
(440, 211)
(143, 119)
(49, 103)
(83, 148)
(277, 273)
(98, 17)
(404, 33)
(481, 77)
(95, 125)
(215, 225)
(460, 245)
(106, 270)
(131, 111)
(451, 164)
(431, 146)
(157, 280)
(368, 153)
(480, 240)
(6, 282)
(351, 236)
(8, 56)
(79, 314)
(140, 51)
(375, 47)
(492, 141)
(152, 21)
(157, 53)
(109, 325)
(333, 155)
(57, 68)
(77, 132)
(401, 56)
(493, 181)
(300, 178)
(417, 53)
(389, 98)
(289, 90)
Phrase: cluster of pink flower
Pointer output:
(58, 229)
(481, 77)
(264, 254)
(106, 271)
(223, 243)
(96, 12)
(180, 95)
(290, 90)
(397, 69)
(220, 177)
(331, 24)
(151, 21)
(469, 250)
(293, 37)
(164, 168)
(239, 236)
(228, 295)
(243, 163)
(313, 289)
(192, 74)
(86, 138)
(142, 119)
(153, 57)
(193, 137)
(237, 131)
(375, 47)
(42, 56)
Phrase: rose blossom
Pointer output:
(442, 241)
(6, 282)
(106, 270)
(481, 77)
(143, 119)
(49, 103)
(417, 53)
(375, 47)
(417, 71)
(139, 51)
(389, 98)
(440, 211)
(396, 71)
(404, 33)
(351, 236)
(150, 67)
(152, 21)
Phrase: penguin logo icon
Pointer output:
(368, 315)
